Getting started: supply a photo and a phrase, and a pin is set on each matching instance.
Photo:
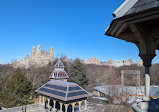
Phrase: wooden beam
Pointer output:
(140, 32)
(129, 37)
(154, 32)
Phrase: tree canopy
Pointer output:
(16, 90)
(78, 73)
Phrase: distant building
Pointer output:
(107, 64)
(38, 58)
(117, 63)
(93, 60)
(140, 63)
(110, 63)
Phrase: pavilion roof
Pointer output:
(64, 91)
(59, 74)
(142, 5)
(59, 64)
(135, 6)
(132, 12)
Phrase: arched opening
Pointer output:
(82, 105)
(63, 108)
(57, 106)
(76, 107)
(51, 103)
(69, 109)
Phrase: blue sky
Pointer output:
(73, 27)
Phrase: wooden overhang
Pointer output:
(140, 20)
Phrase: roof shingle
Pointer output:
(64, 91)
(142, 5)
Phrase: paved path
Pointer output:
(92, 107)
(29, 108)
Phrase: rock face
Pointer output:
(38, 58)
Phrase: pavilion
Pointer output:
(137, 21)
(59, 73)
(60, 94)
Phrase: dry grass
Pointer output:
(36, 100)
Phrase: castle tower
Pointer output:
(27, 57)
(38, 52)
(59, 73)
(110, 61)
(51, 49)
(33, 52)
(52, 54)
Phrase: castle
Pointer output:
(38, 58)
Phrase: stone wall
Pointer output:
(38, 58)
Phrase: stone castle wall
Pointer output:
(38, 58)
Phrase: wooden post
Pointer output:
(54, 105)
(85, 104)
(43, 101)
(60, 107)
(80, 105)
(66, 106)
(73, 107)
(146, 52)
(48, 101)
(39, 99)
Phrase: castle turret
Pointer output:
(52, 53)
(27, 57)
(110, 61)
(131, 61)
(32, 51)
(51, 49)
(38, 50)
